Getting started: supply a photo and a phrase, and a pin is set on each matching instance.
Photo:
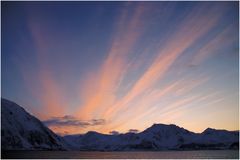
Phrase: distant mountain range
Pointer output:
(22, 131)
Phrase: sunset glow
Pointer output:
(115, 66)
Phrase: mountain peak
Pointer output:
(20, 130)
(157, 127)
(92, 132)
(160, 125)
(212, 130)
(209, 130)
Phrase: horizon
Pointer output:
(145, 129)
(135, 131)
(116, 132)
(120, 66)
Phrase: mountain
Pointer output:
(22, 131)
(156, 137)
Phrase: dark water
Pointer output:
(208, 154)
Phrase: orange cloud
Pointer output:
(42, 84)
(103, 102)
(51, 95)
(114, 66)
(190, 31)
(164, 113)
(98, 94)
(171, 112)
(155, 100)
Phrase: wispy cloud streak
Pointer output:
(47, 90)
(189, 32)
(73, 121)
(111, 96)
(220, 41)
(114, 66)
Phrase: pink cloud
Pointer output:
(109, 75)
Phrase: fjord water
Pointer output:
(201, 154)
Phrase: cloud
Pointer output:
(157, 101)
(214, 46)
(41, 83)
(146, 94)
(72, 121)
(104, 83)
(133, 130)
(190, 30)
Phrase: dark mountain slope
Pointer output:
(22, 131)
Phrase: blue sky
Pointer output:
(123, 62)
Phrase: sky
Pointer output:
(122, 66)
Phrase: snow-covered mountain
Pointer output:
(157, 137)
(22, 131)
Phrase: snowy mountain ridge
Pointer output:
(156, 137)
(22, 131)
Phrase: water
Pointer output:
(203, 154)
